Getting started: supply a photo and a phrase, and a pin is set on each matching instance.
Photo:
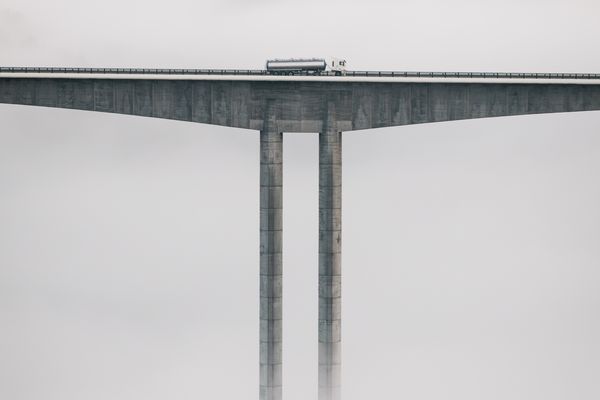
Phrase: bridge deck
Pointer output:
(263, 75)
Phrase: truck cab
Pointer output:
(337, 65)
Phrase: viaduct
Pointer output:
(325, 104)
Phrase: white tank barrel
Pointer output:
(297, 65)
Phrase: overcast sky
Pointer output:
(129, 246)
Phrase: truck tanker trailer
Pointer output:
(307, 66)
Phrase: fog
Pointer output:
(129, 246)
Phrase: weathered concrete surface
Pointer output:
(330, 246)
(271, 198)
(297, 106)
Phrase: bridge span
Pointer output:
(264, 75)
(323, 104)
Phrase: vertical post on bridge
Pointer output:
(271, 180)
(330, 235)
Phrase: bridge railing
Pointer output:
(129, 71)
(254, 72)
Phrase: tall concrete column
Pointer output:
(330, 235)
(271, 146)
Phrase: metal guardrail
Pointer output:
(254, 72)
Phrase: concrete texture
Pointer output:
(330, 245)
(271, 175)
(298, 106)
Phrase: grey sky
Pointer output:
(129, 246)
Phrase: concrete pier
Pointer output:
(330, 235)
(271, 196)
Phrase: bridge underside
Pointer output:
(299, 106)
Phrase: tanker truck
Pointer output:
(306, 66)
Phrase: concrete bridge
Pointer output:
(324, 104)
